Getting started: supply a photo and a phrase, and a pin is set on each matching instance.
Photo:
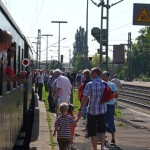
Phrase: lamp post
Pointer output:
(47, 35)
(87, 11)
(59, 22)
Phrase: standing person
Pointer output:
(86, 79)
(96, 111)
(118, 85)
(110, 107)
(40, 81)
(74, 74)
(71, 113)
(35, 81)
(63, 87)
(5, 42)
(117, 82)
(72, 83)
(79, 79)
(50, 96)
(63, 127)
(46, 77)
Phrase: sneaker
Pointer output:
(84, 129)
(86, 136)
(72, 147)
(113, 142)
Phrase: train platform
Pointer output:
(136, 83)
(132, 134)
(40, 139)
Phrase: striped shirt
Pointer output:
(64, 124)
(94, 90)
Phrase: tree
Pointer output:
(80, 46)
(54, 64)
(95, 60)
(80, 51)
(141, 53)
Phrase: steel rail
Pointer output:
(135, 103)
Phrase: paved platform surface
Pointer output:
(40, 139)
(128, 136)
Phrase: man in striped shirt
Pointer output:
(96, 111)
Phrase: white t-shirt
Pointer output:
(65, 86)
(116, 82)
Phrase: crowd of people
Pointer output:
(99, 116)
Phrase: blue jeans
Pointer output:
(84, 112)
(110, 118)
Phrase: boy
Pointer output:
(63, 127)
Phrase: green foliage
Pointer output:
(121, 124)
(141, 54)
(76, 102)
(118, 113)
(121, 74)
(80, 53)
(79, 45)
(95, 60)
(143, 77)
(80, 62)
(54, 64)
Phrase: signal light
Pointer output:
(61, 59)
(90, 58)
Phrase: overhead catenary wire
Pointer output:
(38, 15)
(120, 27)
(52, 45)
(33, 15)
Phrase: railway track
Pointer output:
(135, 95)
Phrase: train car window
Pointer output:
(14, 68)
(1, 79)
(19, 61)
(8, 83)
(22, 59)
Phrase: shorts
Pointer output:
(64, 143)
(110, 118)
(96, 124)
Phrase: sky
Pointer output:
(31, 15)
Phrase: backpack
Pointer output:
(107, 93)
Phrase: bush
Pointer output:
(143, 77)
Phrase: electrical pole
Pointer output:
(86, 52)
(69, 58)
(47, 35)
(104, 33)
(104, 27)
(39, 48)
(129, 58)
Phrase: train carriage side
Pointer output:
(12, 100)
